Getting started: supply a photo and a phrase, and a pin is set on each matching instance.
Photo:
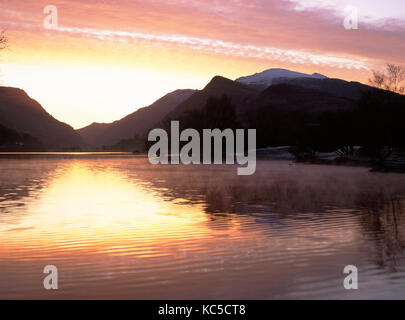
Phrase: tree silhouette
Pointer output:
(3, 40)
(380, 122)
(392, 79)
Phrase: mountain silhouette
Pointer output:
(288, 97)
(23, 115)
(24, 122)
(266, 78)
(238, 94)
(317, 94)
(136, 123)
(341, 88)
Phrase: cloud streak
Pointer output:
(222, 47)
(296, 31)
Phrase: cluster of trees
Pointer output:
(392, 79)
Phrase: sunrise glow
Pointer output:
(107, 59)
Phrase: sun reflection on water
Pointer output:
(118, 228)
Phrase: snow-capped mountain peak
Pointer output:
(265, 78)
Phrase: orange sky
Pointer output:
(108, 58)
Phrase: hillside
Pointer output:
(11, 140)
(23, 115)
(290, 98)
(238, 94)
(137, 123)
(266, 78)
(341, 88)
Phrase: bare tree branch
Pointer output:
(392, 79)
(396, 75)
(3, 40)
(378, 79)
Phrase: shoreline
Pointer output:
(398, 167)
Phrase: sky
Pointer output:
(107, 58)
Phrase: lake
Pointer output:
(117, 227)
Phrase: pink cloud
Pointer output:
(256, 28)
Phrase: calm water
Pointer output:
(116, 227)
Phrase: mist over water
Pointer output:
(117, 227)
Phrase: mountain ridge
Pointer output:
(265, 78)
(20, 113)
(136, 123)
(319, 97)
(217, 87)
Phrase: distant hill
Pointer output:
(341, 88)
(307, 119)
(266, 78)
(288, 98)
(26, 117)
(248, 101)
(288, 91)
(23, 121)
(137, 123)
(120, 134)
(238, 93)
